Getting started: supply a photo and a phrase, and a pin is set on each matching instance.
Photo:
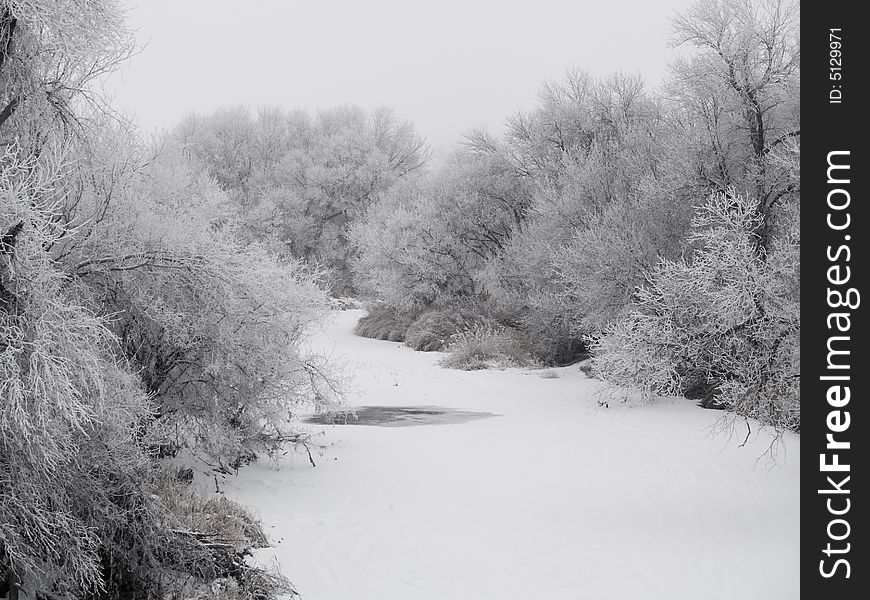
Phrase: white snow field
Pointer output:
(556, 498)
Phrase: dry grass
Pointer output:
(485, 346)
(433, 330)
(217, 517)
(227, 532)
(383, 323)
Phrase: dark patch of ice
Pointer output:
(398, 416)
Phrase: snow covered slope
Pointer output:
(556, 498)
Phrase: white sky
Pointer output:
(445, 65)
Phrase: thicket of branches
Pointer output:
(214, 325)
(726, 318)
(656, 229)
(137, 318)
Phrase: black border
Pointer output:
(829, 127)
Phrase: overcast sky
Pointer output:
(445, 65)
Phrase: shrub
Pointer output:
(228, 532)
(485, 345)
(216, 328)
(729, 312)
(432, 331)
(383, 322)
(520, 283)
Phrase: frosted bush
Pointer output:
(485, 345)
(727, 311)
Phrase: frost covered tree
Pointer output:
(299, 182)
(738, 98)
(723, 320)
(602, 209)
(68, 404)
(214, 325)
(722, 313)
(423, 243)
(50, 54)
(91, 240)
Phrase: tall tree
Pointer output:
(741, 88)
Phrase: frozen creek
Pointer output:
(547, 497)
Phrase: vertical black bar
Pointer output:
(835, 225)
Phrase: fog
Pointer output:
(446, 66)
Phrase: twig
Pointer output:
(748, 433)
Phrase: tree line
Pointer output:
(657, 231)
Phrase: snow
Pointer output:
(554, 498)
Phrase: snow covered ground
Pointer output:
(555, 498)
